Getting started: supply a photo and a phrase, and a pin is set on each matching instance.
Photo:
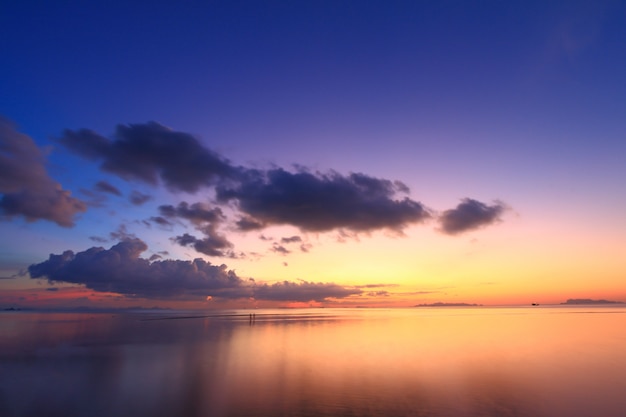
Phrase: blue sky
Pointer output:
(517, 105)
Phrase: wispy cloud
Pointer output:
(303, 291)
(213, 244)
(381, 293)
(138, 199)
(291, 239)
(105, 187)
(280, 249)
(161, 221)
(196, 213)
(206, 220)
(247, 223)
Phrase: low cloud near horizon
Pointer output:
(121, 270)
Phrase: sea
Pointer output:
(554, 361)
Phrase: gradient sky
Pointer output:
(336, 153)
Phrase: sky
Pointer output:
(242, 154)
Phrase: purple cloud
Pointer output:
(151, 152)
(205, 220)
(122, 233)
(381, 293)
(469, 215)
(161, 221)
(292, 239)
(105, 187)
(213, 244)
(196, 213)
(310, 201)
(303, 291)
(26, 189)
(246, 224)
(280, 249)
(138, 199)
(316, 202)
(121, 270)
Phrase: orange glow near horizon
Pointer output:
(495, 293)
(512, 265)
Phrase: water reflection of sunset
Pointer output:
(552, 362)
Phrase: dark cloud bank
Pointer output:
(322, 202)
(318, 202)
(121, 270)
(149, 152)
(154, 154)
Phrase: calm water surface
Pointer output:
(415, 362)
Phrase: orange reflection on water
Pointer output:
(444, 362)
(426, 362)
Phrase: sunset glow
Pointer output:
(312, 155)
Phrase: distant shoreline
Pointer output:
(589, 301)
(244, 311)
